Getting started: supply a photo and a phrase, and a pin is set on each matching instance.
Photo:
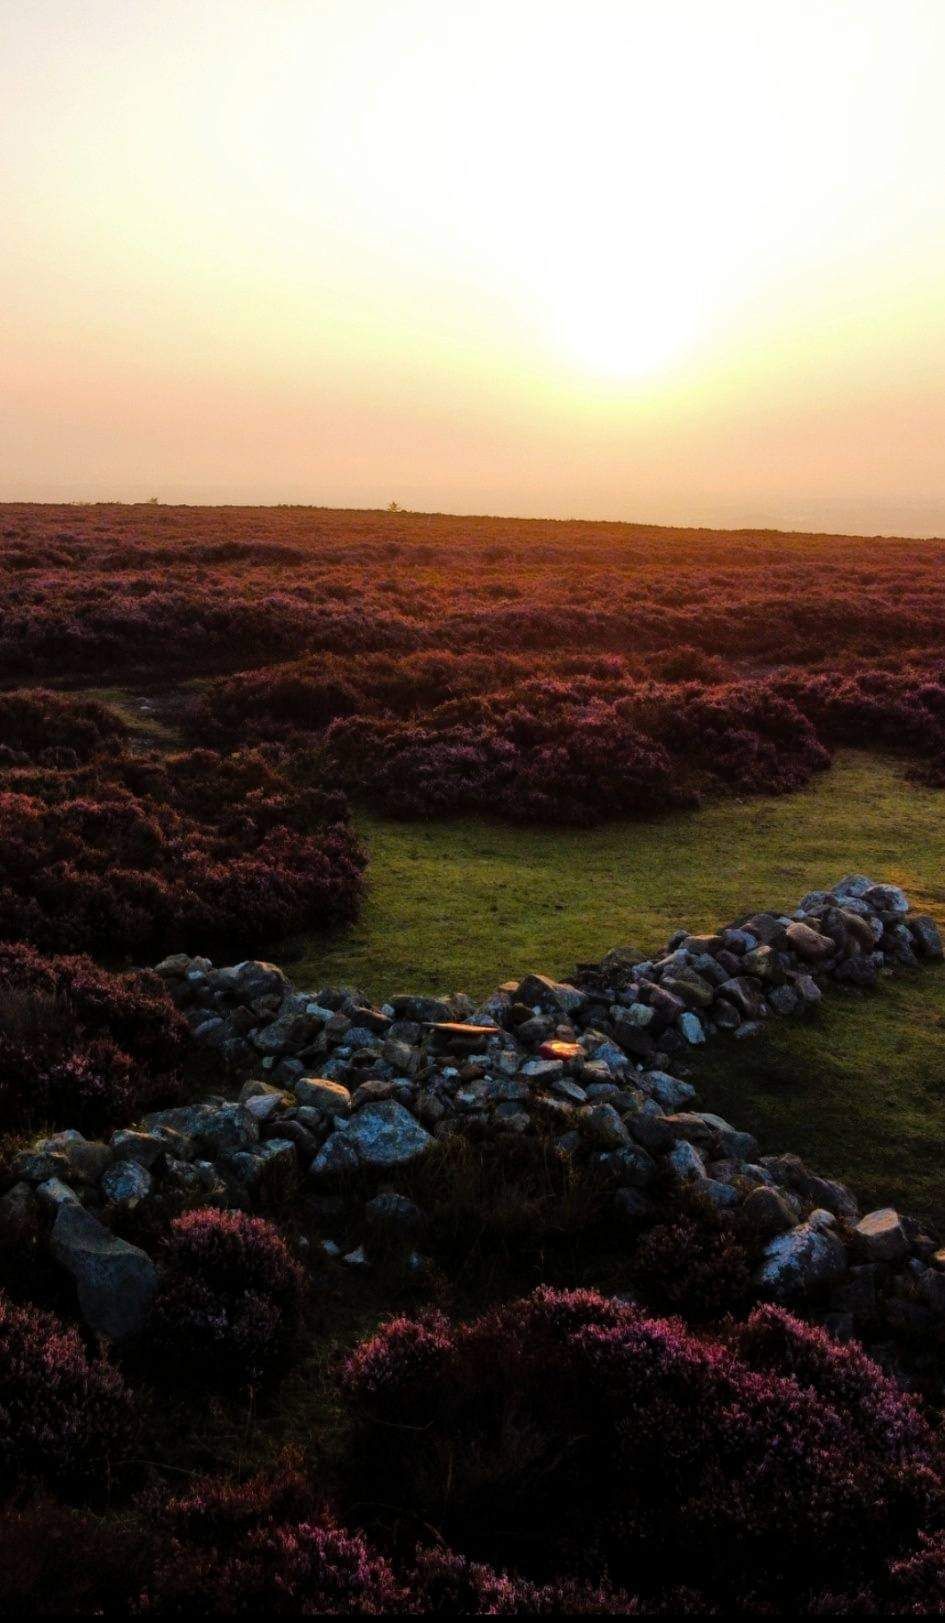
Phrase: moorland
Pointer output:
(417, 753)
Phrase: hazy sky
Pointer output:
(674, 260)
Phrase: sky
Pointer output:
(666, 260)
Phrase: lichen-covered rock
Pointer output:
(230, 1127)
(54, 1193)
(685, 1161)
(386, 1135)
(85, 1160)
(145, 1148)
(126, 1183)
(798, 1261)
(766, 1213)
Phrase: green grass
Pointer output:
(859, 1091)
(463, 905)
(140, 713)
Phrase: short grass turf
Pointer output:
(859, 1091)
(463, 904)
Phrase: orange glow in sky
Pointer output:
(654, 259)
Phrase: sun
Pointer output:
(633, 319)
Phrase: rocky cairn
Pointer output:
(335, 1086)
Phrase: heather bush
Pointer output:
(65, 1417)
(230, 1297)
(268, 1544)
(50, 729)
(59, 1561)
(589, 1433)
(81, 1046)
(694, 1264)
(195, 850)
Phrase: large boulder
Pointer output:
(115, 1281)
(806, 1256)
(385, 1135)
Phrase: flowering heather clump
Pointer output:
(82, 1046)
(694, 1265)
(49, 729)
(142, 855)
(64, 1417)
(230, 1297)
(589, 1434)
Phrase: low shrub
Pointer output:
(571, 1433)
(229, 1300)
(141, 855)
(695, 1265)
(81, 1046)
(50, 729)
(65, 1417)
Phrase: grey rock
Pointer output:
(691, 1028)
(393, 1215)
(783, 999)
(686, 1162)
(336, 1159)
(766, 1212)
(808, 943)
(886, 899)
(667, 1090)
(631, 1205)
(54, 1193)
(880, 1236)
(126, 1183)
(796, 1262)
(37, 1166)
(17, 1207)
(145, 1148)
(320, 1093)
(85, 1160)
(269, 1169)
(721, 1195)
(230, 1127)
(552, 996)
(602, 1127)
(386, 1135)
(115, 1281)
(926, 936)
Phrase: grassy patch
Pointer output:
(858, 1091)
(465, 904)
(143, 715)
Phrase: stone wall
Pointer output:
(332, 1085)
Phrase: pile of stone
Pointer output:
(334, 1086)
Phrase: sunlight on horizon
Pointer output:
(612, 258)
